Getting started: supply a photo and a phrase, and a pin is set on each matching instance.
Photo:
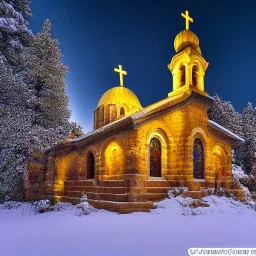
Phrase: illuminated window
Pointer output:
(155, 158)
(198, 159)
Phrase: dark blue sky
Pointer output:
(95, 36)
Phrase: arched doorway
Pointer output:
(90, 165)
(155, 158)
(198, 159)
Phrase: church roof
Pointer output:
(224, 130)
(186, 38)
(119, 94)
(148, 112)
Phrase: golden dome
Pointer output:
(184, 39)
(120, 95)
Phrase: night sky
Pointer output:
(95, 36)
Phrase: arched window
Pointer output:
(155, 158)
(182, 75)
(198, 159)
(122, 112)
(90, 165)
(194, 75)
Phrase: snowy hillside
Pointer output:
(171, 229)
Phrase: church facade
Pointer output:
(135, 154)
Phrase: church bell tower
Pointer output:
(188, 66)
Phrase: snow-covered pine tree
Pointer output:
(14, 117)
(249, 129)
(21, 6)
(33, 103)
(223, 113)
(14, 32)
(46, 80)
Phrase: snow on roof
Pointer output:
(89, 134)
(133, 116)
(151, 107)
(210, 97)
(226, 130)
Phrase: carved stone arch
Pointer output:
(125, 109)
(91, 148)
(220, 160)
(83, 154)
(108, 141)
(154, 136)
(200, 61)
(197, 62)
(163, 129)
(198, 131)
(221, 147)
(179, 58)
(112, 158)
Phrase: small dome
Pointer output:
(120, 95)
(184, 39)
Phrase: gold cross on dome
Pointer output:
(187, 18)
(121, 74)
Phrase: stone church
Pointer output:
(136, 154)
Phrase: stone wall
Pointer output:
(127, 152)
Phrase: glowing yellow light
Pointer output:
(121, 74)
(187, 18)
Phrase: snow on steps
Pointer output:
(108, 194)
(113, 194)
(120, 207)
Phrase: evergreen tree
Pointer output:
(223, 113)
(14, 33)
(21, 6)
(249, 129)
(46, 80)
(14, 117)
(33, 105)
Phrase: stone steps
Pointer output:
(127, 207)
(160, 183)
(97, 189)
(157, 189)
(80, 183)
(115, 190)
(120, 207)
(111, 183)
(99, 196)
(113, 194)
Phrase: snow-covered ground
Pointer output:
(170, 230)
